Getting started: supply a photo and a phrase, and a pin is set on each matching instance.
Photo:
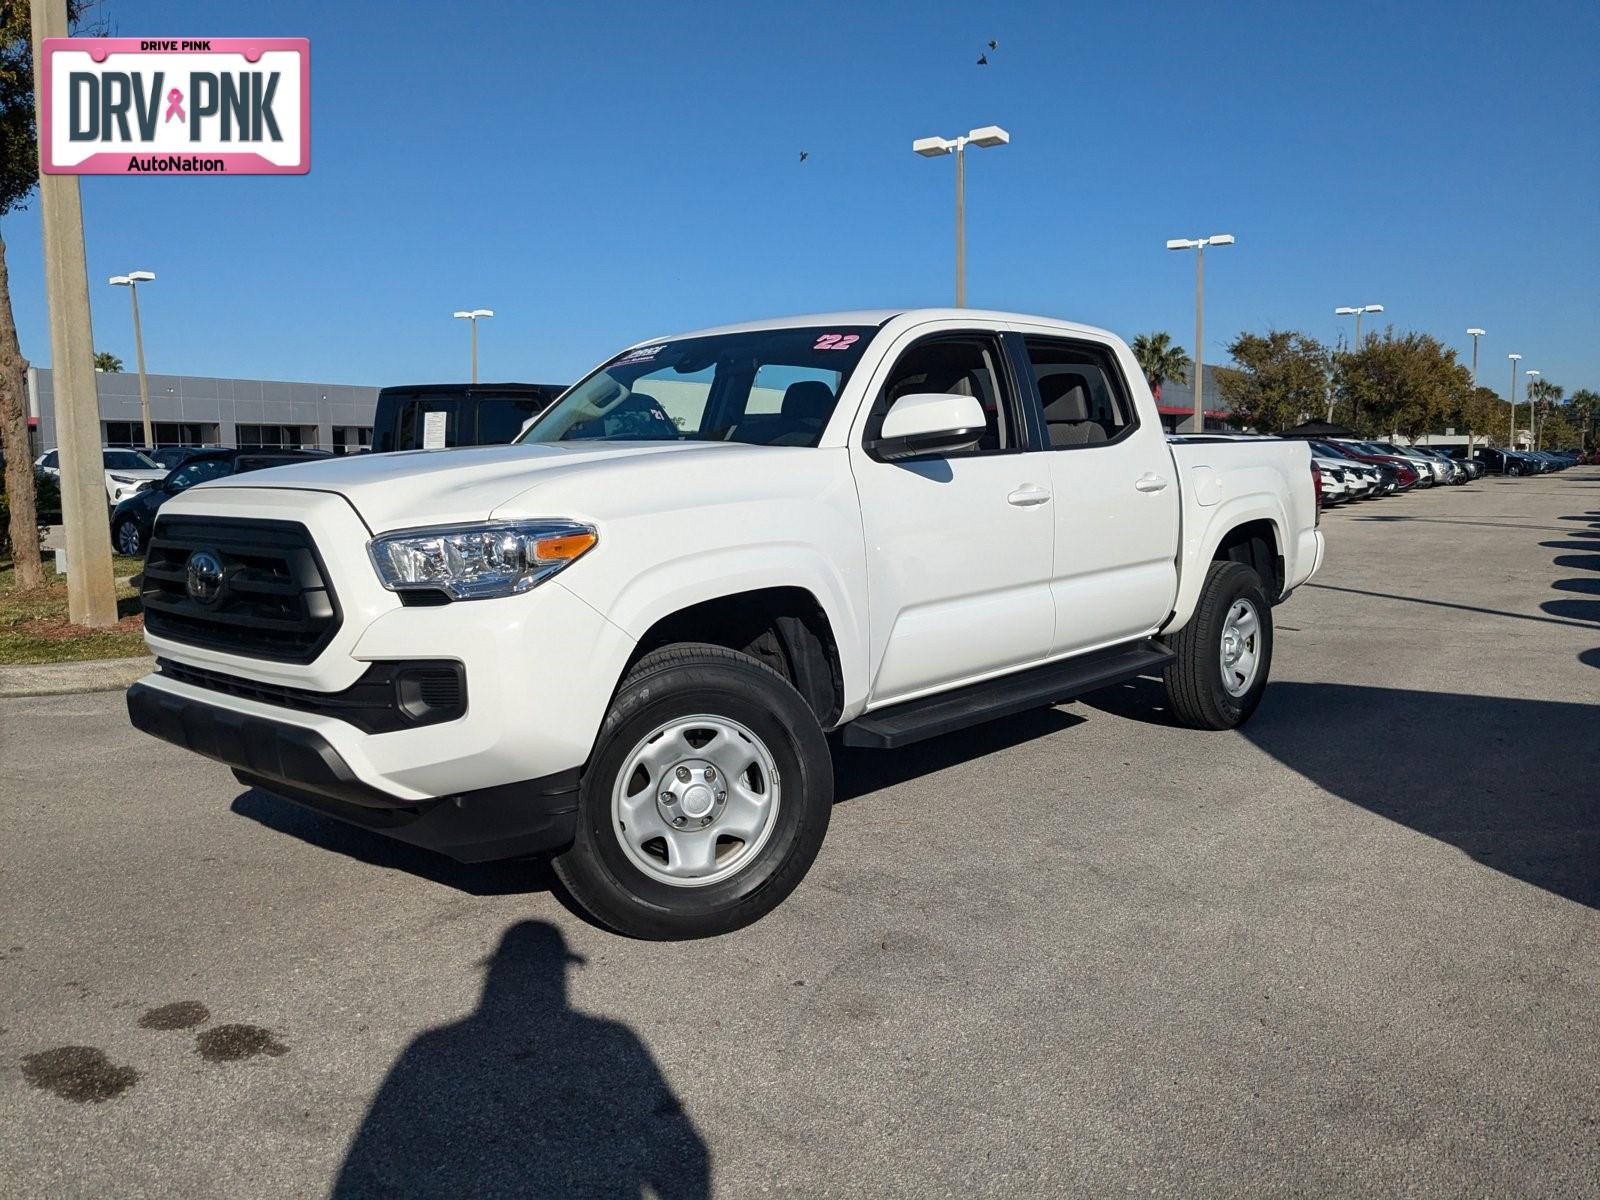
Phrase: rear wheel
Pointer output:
(706, 799)
(1224, 653)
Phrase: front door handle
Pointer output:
(1149, 483)
(1028, 495)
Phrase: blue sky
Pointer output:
(602, 173)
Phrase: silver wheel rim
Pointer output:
(1241, 647)
(128, 538)
(695, 801)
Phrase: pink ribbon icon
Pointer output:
(174, 106)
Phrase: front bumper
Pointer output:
(297, 762)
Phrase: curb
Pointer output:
(71, 678)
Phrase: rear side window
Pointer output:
(1081, 393)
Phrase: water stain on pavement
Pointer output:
(231, 1043)
(181, 1014)
(81, 1074)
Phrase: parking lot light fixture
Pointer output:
(131, 281)
(1515, 359)
(472, 316)
(1198, 245)
(937, 147)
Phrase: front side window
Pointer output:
(1081, 393)
(766, 387)
(960, 365)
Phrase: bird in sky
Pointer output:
(983, 60)
(804, 154)
(993, 45)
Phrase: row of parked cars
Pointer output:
(1350, 469)
(139, 482)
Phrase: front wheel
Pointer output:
(127, 538)
(1223, 655)
(705, 801)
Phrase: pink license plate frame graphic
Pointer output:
(116, 162)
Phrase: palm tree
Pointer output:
(104, 360)
(1160, 360)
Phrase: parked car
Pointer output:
(1474, 465)
(126, 471)
(438, 416)
(707, 554)
(1409, 473)
(132, 519)
(1334, 489)
(1455, 473)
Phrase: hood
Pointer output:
(138, 472)
(440, 487)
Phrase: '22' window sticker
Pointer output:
(837, 341)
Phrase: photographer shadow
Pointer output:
(526, 1097)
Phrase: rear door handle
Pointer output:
(1149, 483)
(1028, 495)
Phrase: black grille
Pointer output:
(275, 601)
(388, 696)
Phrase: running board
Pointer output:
(1037, 687)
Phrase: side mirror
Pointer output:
(924, 423)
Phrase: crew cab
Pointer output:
(625, 639)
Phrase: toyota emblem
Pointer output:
(203, 577)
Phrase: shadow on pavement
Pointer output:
(1503, 780)
(858, 772)
(526, 1097)
(513, 878)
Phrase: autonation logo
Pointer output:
(159, 106)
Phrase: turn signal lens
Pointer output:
(563, 548)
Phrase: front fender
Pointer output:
(673, 584)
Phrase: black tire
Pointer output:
(1195, 689)
(686, 680)
(129, 528)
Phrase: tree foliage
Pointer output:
(104, 360)
(1278, 379)
(1406, 383)
(1160, 359)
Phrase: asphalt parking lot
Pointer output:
(1354, 948)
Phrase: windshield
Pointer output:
(766, 387)
(128, 460)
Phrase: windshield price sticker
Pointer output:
(169, 106)
(640, 354)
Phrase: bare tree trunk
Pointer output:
(14, 433)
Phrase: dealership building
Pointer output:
(197, 410)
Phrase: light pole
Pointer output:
(131, 281)
(1533, 405)
(473, 316)
(1198, 245)
(1474, 333)
(1356, 312)
(938, 147)
(1515, 359)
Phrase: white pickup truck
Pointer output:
(625, 638)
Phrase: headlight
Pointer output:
(124, 480)
(481, 561)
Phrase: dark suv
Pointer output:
(131, 520)
(434, 416)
